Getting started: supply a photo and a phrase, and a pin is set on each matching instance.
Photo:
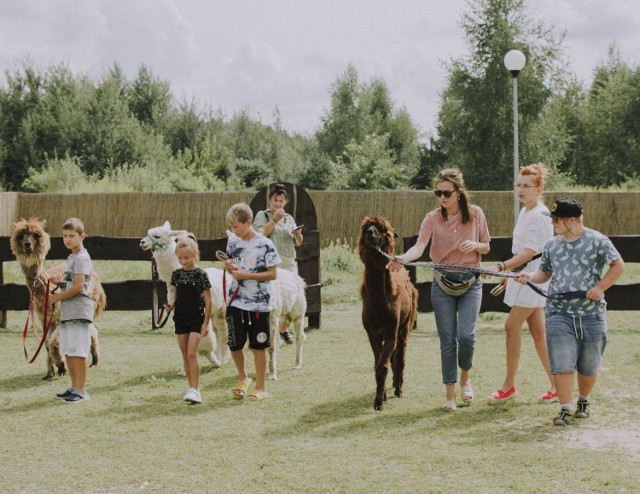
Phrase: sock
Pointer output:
(583, 397)
(566, 406)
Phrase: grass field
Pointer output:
(318, 432)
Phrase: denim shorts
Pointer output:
(576, 343)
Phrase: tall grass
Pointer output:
(318, 432)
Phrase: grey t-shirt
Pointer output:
(79, 307)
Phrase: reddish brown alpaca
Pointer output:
(389, 305)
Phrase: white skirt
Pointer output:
(523, 296)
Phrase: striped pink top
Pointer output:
(447, 235)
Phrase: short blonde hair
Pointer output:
(190, 244)
(74, 224)
(239, 213)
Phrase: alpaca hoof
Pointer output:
(47, 378)
(377, 406)
(61, 371)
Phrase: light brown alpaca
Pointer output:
(389, 305)
(30, 243)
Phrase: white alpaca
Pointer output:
(289, 304)
(162, 241)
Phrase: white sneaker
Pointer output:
(192, 396)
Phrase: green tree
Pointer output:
(608, 148)
(475, 119)
(364, 113)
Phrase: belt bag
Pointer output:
(452, 287)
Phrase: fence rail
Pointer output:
(619, 297)
(137, 295)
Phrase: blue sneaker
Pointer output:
(64, 395)
(76, 397)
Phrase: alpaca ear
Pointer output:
(166, 225)
(178, 233)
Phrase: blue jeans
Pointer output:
(576, 343)
(456, 321)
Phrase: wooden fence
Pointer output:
(619, 297)
(136, 295)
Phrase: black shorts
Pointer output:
(186, 328)
(243, 325)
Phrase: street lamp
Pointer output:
(514, 61)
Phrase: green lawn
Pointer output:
(318, 432)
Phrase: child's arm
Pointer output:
(611, 276)
(268, 275)
(72, 291)
(204, 331)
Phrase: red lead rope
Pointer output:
(47, 324)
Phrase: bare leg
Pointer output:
(238, 359)
(191, 361)
(564, 386)
(260, 359)
(513, 341)
(586, 384)
(537, 329)
(78, 371)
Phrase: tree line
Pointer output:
(62, 132)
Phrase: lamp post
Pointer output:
(514, 61)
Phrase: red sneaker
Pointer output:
(548, 397)
(499, 396)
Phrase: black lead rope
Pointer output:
(487, 272)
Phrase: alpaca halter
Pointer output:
(487, 272)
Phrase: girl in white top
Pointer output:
(532, 231)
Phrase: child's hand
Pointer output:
(168, 307)
(204, 330)
(229, 266)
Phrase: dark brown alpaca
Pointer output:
(389, 305)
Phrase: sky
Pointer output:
(259, 55)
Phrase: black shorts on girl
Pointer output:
(193, 327)
(251, 325)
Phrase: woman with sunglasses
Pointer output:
(532, 231)
(459, 236)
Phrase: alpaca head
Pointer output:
(161, 238)
(30, 243)
(376, 233)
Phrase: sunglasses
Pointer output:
(445, 193)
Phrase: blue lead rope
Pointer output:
(487, 272)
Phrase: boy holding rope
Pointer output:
(76, 310)
(576, 328)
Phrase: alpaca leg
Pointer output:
(95, 346)
(58, 362)
(398, 362)
(221, 331)
(207, 347)
(274, 323)
(298, 329)
(382, 369)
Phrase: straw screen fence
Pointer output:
(339, 212)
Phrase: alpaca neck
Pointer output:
(377, 278)
(31, 270)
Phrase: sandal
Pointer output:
(449, 406)
(257, 396)
(240, 389)
(287, 337)
(466, 393)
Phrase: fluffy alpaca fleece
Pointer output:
(389, 306)
(162, 240)
(289, 304)
(30, 244)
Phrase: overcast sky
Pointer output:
(263, 54)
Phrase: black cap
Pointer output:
(565, 208)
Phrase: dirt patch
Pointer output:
(607, 439)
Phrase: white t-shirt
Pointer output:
(533, 230)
